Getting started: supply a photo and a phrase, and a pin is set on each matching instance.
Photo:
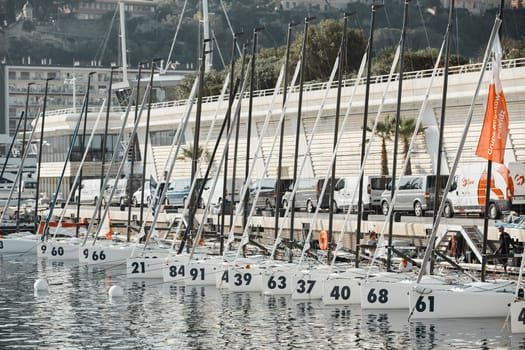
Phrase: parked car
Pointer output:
(179, 192)
(214, 198)
(122, 191)
(376, 185)
(345, 195)
(467, 192)
(305, 196)
(415, 194)
(89, 192)
(373, 187)
(266, 197)
(137, 195)
(44, 200)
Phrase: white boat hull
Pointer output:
(385, 294)
(175, 268)
(245, 278)
(61, 250)
(104, 253)
(203, 272)
(149, 264)
(517, 316)
(278, 279)
(343, 289)
(222, 277)
(19, 245)
(309, 284)
(483, 300)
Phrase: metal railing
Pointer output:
(318, 86)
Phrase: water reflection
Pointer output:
(78, 314)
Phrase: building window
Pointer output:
(56, 149)
(163, 137)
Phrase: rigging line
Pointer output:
(457, 37)
(258, 150)
(45, 234)
(19, 172)
(102, 48)
(170, 166)
(218, 49)
(459, 150)
(358, 23)
(425, 28)
(112, 164)
(381, 242)
(175, 36)
(203, 156)
(132, 135)
(347, 219)
(230, 26)
(77, 176)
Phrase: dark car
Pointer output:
(179, 192)
(267, 192)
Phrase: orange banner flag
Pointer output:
(493, 138)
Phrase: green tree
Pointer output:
(324, 41)
(187, 152)
(384, 130)
(407, 127)
(413, 60)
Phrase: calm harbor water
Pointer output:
(76, 313)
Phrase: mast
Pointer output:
(206, 36)
(225, 180)
(12, 143)
(249, 126)
(123, 42)
(437, 191)
(236, 145)
(23, 116)
(298, 126)
(146, 137)
(340, 73)
(194, 157)
(106, 126)
(278, 197)
(363, 132)
(227, 118)
(396, 133)
(487, 189)
(40, 144)
(132, 148)
(26, 111)
(82, 147)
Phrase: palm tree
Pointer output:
(187, 152)
(407, 127)
(384, 130)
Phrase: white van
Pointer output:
(517, 175)
(90, 191)
(214, 199)
(346, 189)
(467, 193)
(125, 188)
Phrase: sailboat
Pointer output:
(474, 299)
(389, 290)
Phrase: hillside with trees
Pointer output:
(60, 37)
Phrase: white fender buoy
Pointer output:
(41, 285)
(116, 292)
